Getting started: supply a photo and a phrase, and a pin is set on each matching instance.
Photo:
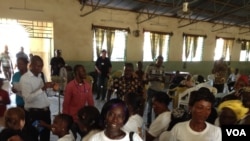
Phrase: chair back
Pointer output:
(90, 79)
(183, 98)
(117, 74)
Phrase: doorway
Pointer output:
(36, 37)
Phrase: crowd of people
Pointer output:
(136, 104)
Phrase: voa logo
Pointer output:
(236, 132)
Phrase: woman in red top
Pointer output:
(4, 101)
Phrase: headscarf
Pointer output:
(236, 106)
(243, 78)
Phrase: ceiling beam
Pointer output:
(96, 7)
(151, 15)
(232, 25)
(207, 19)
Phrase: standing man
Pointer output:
(56, 62)
(78, 93)
(155, 75)
(22, 54)
(36, 102)
(103, 67)
(6, 63)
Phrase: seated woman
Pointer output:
(135, 105)
(188, 81)
(197, 129)
(241, 82)
(177, 115)
(14, 126)
(163, 115)
(88, 121)
(114, 115)
(230, 112)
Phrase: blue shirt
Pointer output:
(15, 79)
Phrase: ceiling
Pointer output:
(226, 12)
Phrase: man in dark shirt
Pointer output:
(22, 54)
(103, 67)
(56, 62)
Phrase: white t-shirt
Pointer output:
(89, 135)
(100, 136)
(68, 137)
(33, 95)
(160, 124)
(164, 136)
(134, 124)
(217, 122)
(182, 132)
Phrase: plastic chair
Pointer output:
(117, 74)
(90, 79)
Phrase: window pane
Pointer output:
(222, 49)
(198, 54)
(118, 52)
(147, 55)
(165, 48)
(243, 55)
(94, 48)
(195, 53)
(218, 52)
(147, 48)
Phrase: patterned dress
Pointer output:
(123, 86)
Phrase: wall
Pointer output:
(73, 34)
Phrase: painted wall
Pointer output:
(73, 34)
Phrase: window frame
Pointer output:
(167, 42)
(184, 58)
(106, 29)
(228, 51)
(245, 50)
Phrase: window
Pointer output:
(245, 50)
(119, 46)
(155, 44)
(192, 47)
(35, 36)
(111, 39)
(223, 48)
